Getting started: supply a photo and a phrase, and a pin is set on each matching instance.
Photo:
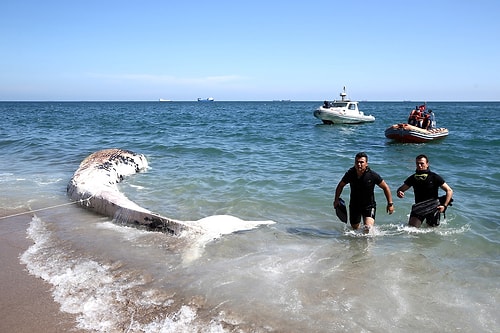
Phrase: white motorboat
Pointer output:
(344, 111)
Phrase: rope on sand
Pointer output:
(45, 208)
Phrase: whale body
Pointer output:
(94, 187)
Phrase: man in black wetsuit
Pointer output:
(362, 181)
(426, 186)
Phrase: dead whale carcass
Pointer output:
(94, 186)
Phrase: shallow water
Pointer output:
(256, 161)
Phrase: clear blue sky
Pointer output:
(427, 50)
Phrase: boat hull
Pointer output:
(412, 134)
(330, 116)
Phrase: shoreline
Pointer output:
(26, 304)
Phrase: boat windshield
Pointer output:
(339, 105)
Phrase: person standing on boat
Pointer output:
(412, 118)
(362, 203)
(426, 186)
(426, 122)
(416, 117)
(432, 119)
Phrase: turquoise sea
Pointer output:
(308, 272)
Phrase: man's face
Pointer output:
(422, 164)
(361, 164)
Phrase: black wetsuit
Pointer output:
(426, 186)
(362, 200)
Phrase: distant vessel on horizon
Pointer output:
(209, 99)
(164, 100)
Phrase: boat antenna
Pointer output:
(343, 94)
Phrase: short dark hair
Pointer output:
(422, 156)
(360, 155)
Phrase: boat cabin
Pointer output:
(345, 105)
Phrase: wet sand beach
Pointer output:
(26, 303)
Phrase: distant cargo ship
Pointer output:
(210, 99)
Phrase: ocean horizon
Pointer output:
(248, 101)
